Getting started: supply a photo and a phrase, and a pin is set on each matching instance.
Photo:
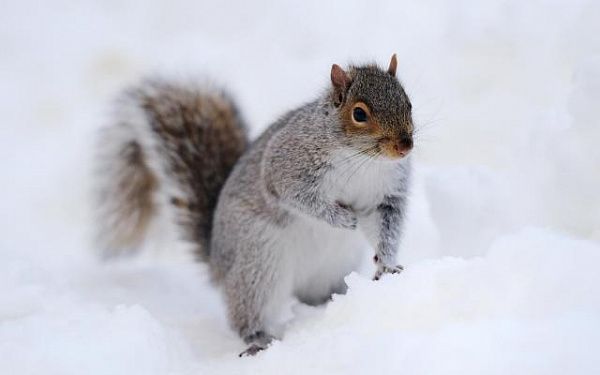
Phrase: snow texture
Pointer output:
(502, 248)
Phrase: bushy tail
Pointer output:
(173, 146)
(125, 191)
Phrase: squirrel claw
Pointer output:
(257, 341)
(252, 350)
(381, 269)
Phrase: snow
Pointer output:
(503, 239)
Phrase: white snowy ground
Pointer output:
(503, 243)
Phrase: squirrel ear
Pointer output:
(393, 65)
(339, 78)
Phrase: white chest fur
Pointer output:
(361, 182)
(317, 255)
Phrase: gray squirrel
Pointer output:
(284, 218)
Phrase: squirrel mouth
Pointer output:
(395, 156)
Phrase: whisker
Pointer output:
(368, 158)
(360, 152)
(355, 158)
(348, 167)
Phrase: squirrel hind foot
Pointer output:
(252, 350)
(258, 341)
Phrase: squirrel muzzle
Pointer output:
(396, 147)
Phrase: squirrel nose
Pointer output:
(403, 146)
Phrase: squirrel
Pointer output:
(284, 218)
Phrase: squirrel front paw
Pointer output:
(384, 268)
(343, 216)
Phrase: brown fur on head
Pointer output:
(374, 109)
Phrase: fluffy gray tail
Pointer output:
(170, 146)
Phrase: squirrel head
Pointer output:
(374, 110)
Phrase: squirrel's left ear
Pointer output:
(339, 77)
(340, 81)
(393, 65)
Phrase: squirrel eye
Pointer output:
(359, 115)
